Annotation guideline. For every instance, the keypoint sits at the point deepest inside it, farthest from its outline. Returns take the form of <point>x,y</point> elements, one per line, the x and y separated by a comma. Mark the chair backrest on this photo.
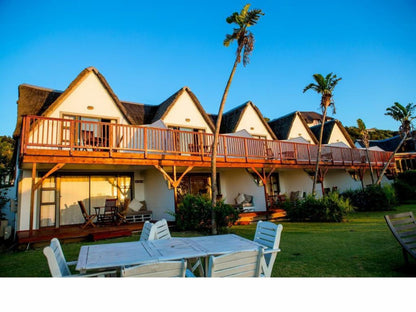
<point>403,227</point>
<point>56,259</point>
<point>110,202</point>
<point>268,234</point>
<point>159,269</point>
<point>148,231</point>
<point>83,210</point>
<point>162,230</point>
<point>236,264</point>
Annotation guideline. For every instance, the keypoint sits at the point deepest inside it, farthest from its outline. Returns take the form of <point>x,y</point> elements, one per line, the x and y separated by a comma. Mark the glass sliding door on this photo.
<point>48,202</point>
<point>73,189</point>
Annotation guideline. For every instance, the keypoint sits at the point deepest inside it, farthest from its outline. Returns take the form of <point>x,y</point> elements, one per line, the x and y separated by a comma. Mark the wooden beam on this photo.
<point>54,169</point>
<point>32,196</point>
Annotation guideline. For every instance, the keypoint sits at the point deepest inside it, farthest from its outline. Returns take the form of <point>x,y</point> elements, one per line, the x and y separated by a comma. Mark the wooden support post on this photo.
<point>32,197</point>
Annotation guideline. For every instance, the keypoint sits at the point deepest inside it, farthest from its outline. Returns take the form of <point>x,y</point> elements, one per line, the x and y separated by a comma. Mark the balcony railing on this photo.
<point>68,135</point>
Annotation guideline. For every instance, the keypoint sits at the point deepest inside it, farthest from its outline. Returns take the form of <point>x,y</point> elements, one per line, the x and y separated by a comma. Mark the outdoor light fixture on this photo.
<point>187,119</point>
<point>90,107</point>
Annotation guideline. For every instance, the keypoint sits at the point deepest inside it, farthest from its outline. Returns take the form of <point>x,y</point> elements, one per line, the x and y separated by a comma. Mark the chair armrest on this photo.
<point>268,251</point>
<point>72,262</point>
<point>98,274</point>
<point>188,273</point>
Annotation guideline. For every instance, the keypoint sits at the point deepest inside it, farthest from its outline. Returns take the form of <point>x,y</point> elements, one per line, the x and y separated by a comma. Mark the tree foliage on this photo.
<point>7,145</point>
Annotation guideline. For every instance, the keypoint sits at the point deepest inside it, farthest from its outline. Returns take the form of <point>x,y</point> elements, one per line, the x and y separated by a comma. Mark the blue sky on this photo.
<point>147,50</point>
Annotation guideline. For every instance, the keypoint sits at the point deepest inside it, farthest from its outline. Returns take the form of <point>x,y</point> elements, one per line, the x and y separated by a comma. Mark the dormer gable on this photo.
<point>292,126</point>
<point>334,132</point>
<point>246,117</point>
<point>183,109</point>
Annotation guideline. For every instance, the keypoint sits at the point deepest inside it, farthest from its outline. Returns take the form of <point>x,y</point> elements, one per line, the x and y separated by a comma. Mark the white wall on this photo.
<point>296,180</point>
<point>183,109</point>
<point>250,120</point>
<point>23,215</point>
<point>298,130</point>
<point>240,181</point>
<point>337,136</point>
<point>90,92</point>
<point>159,199</point>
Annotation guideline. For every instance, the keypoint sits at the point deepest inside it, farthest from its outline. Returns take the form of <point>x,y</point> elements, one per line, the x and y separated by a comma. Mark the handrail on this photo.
<point>92,136</point>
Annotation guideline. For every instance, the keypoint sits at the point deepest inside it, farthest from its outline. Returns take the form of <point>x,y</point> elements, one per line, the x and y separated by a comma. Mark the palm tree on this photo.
<point>404,115</point>
<point>324,86</point>
<point>364,137</point>
<point>245,41</point>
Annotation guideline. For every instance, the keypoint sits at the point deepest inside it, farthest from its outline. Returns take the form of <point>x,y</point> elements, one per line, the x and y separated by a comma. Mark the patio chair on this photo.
<point>159,269</point>
<point>110,209</point>
<point>236,264</point>
<point>148,231</point>
<point>161,229</point>
<point>268,234</point>
<point>403,227</point>
<point>89,218</point>
<point>59,267</point>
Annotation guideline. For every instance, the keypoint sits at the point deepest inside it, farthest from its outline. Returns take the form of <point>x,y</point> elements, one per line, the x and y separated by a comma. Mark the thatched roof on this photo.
<point>41,101</point>
<point>310,117</point>
<point>328,128</point>
<point>391,144</point>
<point>281,126</point>
<point>231,119</point>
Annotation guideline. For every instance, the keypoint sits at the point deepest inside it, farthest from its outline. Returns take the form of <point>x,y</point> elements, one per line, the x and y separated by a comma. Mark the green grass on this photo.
<point>360,247</point>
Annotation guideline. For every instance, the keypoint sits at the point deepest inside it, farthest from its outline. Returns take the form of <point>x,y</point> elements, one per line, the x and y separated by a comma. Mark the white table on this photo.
<point>117,255</point>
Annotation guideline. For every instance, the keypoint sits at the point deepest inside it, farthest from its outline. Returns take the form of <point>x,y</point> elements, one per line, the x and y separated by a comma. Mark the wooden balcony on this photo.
<point>54,140</point>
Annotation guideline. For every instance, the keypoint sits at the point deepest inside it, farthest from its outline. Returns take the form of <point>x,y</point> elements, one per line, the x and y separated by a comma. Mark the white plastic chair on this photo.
<point>148,231</point>
<point>158,269</point>
<point>268,234</point>
<point>236,264</point>
<point>161,230</point>
<point>58,266</point>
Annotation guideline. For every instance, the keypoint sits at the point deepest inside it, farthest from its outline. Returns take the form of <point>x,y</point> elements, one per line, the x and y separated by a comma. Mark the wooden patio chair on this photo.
<point>89,218</point>
<point>159,269</point>
<point>148,231</point>
<point>162,230</point>
<point>236,264</point>
<point>110,211</point>
<point>268,234</point>
<point>59,267</point>
<point>403,227</point>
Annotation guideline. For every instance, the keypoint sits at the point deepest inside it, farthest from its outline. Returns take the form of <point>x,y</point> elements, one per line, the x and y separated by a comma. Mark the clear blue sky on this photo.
<point>147,50</point>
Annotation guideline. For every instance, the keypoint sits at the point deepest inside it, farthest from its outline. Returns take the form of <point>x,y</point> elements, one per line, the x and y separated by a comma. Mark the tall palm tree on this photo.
<point>405,116</point>
<point>364,137</point>
<point>245,41</point>
<point>324,86</point>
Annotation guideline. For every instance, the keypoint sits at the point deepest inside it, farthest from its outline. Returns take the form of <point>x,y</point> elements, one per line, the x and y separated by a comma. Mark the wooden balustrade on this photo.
<point>45,134</point>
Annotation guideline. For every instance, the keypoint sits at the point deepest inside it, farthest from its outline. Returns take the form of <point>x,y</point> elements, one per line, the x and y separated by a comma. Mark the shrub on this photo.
<point>405,185</point>
<point>372,198</point>
<point>330,208</point>
<point>194,214</point>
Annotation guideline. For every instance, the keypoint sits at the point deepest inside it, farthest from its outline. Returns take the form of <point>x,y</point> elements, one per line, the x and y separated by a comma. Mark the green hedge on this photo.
<point>372,198</point>
<point>330,208</point>
<point>194,214</point>
<point>405,186</point>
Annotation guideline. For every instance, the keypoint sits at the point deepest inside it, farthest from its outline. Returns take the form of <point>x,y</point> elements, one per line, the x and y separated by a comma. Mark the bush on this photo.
<point>372,198</point>
<point>405,185</point>
<point>194,214</point>
<point>330,208</point>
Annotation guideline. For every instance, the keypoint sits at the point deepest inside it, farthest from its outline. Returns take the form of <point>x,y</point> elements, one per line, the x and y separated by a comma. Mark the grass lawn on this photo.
<point>360,247</point>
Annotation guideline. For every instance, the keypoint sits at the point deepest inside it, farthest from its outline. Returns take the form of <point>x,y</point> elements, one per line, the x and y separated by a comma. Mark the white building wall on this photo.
<point>23,202</point>
<point>240,181</point>
<point>90,92</point>
<point>251,122</point>
<point>343,180</point>
<point>298,130</point>
<point>183,110</point>
<point>159,199</point>
<point>337,136</point>
<point>296,180</point>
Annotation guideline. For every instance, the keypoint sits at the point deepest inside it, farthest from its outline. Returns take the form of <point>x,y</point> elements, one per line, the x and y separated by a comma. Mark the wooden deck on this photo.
<point>76,233</point>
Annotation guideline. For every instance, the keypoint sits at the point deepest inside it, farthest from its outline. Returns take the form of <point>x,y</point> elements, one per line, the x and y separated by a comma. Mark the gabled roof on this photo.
<point>311,116</point>
<point>391,144</point>
<point>281,126</point>
<point>231,119</point>
<point>328,128</point>
<point>164,108</point>
<point>40,101</point>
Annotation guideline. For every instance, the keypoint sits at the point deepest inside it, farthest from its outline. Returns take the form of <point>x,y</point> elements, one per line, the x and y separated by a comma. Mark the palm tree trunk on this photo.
<point>369,163</point>
<point>390,159</point>
<point>318,156</point>
<point>214,189</point>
